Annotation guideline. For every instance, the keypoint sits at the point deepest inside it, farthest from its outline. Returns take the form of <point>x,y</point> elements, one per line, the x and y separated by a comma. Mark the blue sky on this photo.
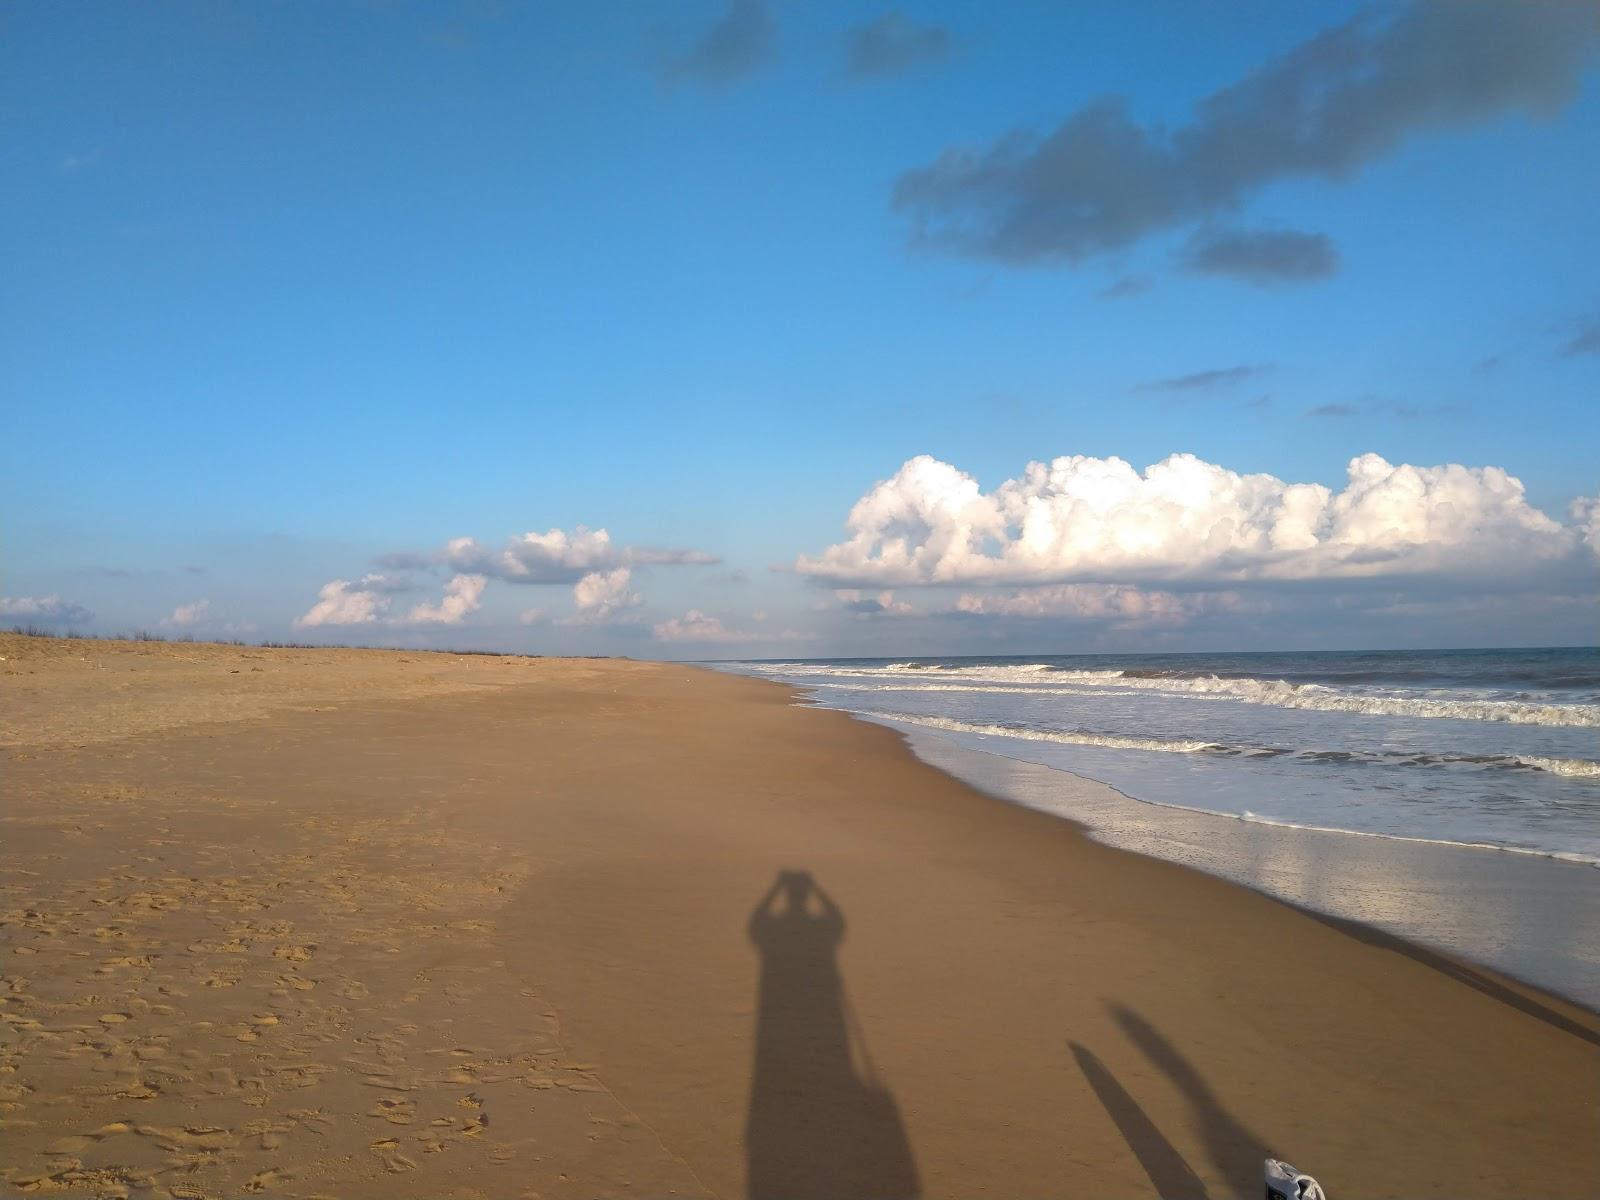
<point>293,287</point>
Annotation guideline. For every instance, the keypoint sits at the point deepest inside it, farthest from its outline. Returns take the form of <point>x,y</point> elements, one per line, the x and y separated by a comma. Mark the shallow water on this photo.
<point>1534,918</point>
<point>1449,797</point>
<point>1481,747</point>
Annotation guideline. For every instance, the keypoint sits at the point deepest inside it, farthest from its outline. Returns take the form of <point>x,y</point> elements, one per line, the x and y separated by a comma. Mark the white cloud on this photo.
<point>532,616</point>
<point>588,558</point>
<point>1586,519</point>
<point>44,610</point>
<point>883,604</point>
<point>199,615</point>
<point>556,556</point>
<point>342,603</point>
<point>188,614</point>
<point>600,595</point>
<point>1183,520</point>
<point>387,583</point>
<point>552,557</point>
<point>462,595</point>
<point>1119,604</point>
<point>696,626</point>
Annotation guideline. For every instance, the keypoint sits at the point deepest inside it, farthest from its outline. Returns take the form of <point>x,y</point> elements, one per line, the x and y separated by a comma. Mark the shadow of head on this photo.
<point>820,1123</point>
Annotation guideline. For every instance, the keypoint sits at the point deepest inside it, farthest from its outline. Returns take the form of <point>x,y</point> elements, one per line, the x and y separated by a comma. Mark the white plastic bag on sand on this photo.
<point>1285,1183</point>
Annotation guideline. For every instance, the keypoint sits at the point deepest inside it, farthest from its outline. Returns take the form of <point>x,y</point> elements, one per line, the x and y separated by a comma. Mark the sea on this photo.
<point>1378,754</point>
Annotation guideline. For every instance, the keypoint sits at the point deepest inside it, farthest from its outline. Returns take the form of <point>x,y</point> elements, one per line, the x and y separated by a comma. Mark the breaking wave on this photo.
<point>1277,693</point>
<point>1575,768</point>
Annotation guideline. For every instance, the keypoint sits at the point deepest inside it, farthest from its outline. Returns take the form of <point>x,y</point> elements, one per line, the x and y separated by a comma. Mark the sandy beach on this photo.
<point>389,923</point>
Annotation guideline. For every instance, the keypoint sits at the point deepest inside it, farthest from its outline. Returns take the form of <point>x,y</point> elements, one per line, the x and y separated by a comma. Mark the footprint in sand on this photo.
<point>262,1180</point>
<point>394,1109</point>
<point>389,1154</point>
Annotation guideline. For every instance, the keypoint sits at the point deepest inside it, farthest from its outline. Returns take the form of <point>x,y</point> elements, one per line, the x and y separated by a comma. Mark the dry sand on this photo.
<point>362,923</point>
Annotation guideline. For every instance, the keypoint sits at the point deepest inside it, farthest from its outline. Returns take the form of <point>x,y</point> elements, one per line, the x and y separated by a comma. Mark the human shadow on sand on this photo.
<point>1170,1174</point>
<point>820,1123</point>
<point>1233,1146</point>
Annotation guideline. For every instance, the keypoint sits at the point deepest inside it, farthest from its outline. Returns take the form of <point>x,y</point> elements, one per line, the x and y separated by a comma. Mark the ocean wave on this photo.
<point>1065,736</point>
<point>1315,697</point>
<point>1569,856</point>
<point>1574,768</point>
<point>1278,693</point>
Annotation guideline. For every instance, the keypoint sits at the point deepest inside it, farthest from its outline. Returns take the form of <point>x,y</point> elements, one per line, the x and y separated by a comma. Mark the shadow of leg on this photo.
<point>1236,1151</point>
<point>1169,1174</point>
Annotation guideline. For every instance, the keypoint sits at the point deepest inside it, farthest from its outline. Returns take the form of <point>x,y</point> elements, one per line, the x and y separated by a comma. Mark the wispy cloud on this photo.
<point>891,44</point>
<point>1585,341</point>
<point>554,556</point>
<point>1262,257</point>
<point>1125,287</point>
<point>1201,380</point>
<point>1101,181</point>
<point>43,610</point>
<point>741,42</point>
<point>864,604</point>
<point>698,626</point>
<point>1386,408</point>
<point>186,615</point>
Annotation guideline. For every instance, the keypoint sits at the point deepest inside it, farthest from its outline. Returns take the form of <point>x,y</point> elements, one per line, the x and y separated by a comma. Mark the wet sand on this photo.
<point>424,925</point>
<point>1534,918</point>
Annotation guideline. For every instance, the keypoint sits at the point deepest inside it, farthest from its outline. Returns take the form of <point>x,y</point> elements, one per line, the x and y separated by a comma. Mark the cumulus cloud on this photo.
<point>742,41</point>
<point>557,556</point>
<point>463,595</point>
<point>1585,512</point>
<point>1101,180</point>
<point>340,602</point>
<point>367,600</point>
<point>44,610</point>
<point>1264,257</point>
<point>188,614</point>
<point>580,557</point>
<point>599,596</point>
<point>1185,521</point>
<point>891,44</point>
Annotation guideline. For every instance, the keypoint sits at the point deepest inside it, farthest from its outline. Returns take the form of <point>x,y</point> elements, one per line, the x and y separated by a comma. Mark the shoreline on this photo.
<point>1531,891</point>
<point>466,928</point>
